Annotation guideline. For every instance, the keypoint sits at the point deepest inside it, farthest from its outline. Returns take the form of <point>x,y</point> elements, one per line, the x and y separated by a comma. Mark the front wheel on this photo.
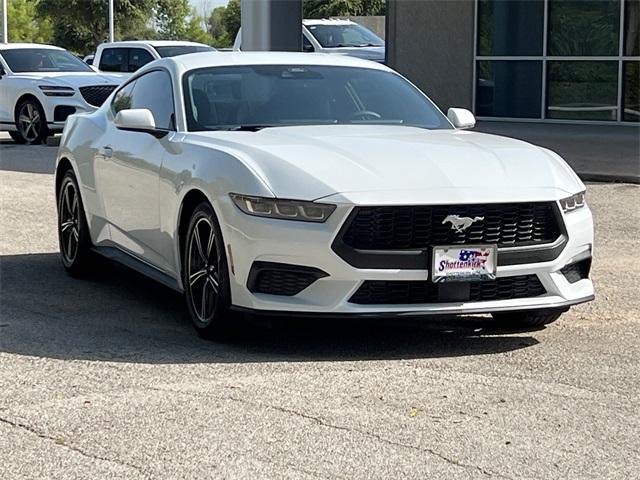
<point>205,275</point>
<point>534,318</point>
<point>73,230</point>
<point>31,123</point>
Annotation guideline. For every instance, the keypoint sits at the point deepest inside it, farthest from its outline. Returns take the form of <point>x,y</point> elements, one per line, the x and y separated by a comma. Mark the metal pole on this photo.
<point>111,36</point>
<point>5,28</point>
<point>271,25</point>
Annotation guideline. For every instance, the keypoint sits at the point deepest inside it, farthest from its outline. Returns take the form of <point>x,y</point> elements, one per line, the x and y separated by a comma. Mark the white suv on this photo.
<point>41,85</point>
<point>337,36</point>
<point>127,57</point>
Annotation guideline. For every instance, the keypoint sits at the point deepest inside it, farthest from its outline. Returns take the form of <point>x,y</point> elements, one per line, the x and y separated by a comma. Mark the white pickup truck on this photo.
<point>338,36</point>
<point>127,57</point>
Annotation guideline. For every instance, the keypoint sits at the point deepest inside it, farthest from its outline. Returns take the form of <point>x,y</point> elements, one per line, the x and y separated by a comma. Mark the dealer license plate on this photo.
<point>464,263</point>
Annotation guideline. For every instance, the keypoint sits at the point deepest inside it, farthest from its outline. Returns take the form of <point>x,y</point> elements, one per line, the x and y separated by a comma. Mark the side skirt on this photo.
<point>140,266</point>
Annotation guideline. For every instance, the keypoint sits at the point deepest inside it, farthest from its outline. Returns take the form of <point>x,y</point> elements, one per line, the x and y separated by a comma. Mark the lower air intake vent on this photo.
<point>281,278</point>
<point>577,271</point>
<point>417,292</point>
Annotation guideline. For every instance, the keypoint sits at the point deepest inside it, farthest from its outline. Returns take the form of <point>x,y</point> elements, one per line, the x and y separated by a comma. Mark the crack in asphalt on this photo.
<point>62,443</point>
<point>320,421</point>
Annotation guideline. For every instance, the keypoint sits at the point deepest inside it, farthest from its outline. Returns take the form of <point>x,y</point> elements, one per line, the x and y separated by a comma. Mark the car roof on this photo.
<point>327,21</point>
<point>15,46</point>
<point>153,43</point>
<point>222,59</point>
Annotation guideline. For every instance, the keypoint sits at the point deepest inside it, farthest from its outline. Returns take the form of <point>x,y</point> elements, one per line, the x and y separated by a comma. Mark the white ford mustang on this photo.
<point>318,184</point>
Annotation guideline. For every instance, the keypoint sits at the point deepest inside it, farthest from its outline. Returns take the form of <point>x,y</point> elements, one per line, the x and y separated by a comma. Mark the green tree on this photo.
<point>24,23</point>
<point>342,8</point>
<point>177,20</point>
<point>231,18</point>
<point>217,29</point>
<point>80,25</point>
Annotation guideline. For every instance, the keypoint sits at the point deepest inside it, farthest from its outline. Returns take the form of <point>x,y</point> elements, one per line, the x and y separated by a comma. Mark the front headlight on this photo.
<point>53,91</point>
<point>283,209</point>
<point>574,202</point>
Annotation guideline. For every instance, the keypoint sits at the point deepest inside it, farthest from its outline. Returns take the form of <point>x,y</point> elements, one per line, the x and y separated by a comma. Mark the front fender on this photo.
<point>214,173</point>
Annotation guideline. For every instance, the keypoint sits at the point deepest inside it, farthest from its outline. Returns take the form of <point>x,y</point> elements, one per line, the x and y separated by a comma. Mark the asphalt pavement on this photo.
<point>105,378</point>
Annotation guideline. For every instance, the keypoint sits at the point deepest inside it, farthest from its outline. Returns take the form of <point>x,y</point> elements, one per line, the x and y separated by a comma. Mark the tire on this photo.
<point>206,276</point>
<point>73,231</point>
<point>16,137</point>
<point>30,122</point>
<point>535,318</point>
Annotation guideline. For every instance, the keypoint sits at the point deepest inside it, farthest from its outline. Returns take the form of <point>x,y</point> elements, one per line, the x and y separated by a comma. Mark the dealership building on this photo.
<point>562,73</point>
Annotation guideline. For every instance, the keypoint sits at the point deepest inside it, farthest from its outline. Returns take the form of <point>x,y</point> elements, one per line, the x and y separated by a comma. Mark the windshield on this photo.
<point>175,50</point>
<point>43,60</point>
<point>350,35</point>
<point>284,95</point>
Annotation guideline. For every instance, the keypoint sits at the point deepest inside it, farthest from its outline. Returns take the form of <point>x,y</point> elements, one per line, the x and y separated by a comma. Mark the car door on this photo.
<point>129,168</point>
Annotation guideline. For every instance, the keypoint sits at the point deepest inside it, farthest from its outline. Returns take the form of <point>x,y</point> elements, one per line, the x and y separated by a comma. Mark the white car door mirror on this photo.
<point>138,120</point>
<point>461,118</point>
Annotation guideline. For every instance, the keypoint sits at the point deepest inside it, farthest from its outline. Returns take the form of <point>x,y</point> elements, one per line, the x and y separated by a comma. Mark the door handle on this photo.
<point>107,151</point>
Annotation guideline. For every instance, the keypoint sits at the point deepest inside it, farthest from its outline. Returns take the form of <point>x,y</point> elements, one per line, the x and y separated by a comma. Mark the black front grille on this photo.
<point>424,292</point>
<point>96,95</point>
<point>418,227</point>
<point>281,279</point>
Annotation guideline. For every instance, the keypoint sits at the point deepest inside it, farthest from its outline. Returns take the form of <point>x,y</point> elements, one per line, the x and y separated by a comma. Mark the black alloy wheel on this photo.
<point>73,231</point>
<point>31,123</point>
<point>205,274</point>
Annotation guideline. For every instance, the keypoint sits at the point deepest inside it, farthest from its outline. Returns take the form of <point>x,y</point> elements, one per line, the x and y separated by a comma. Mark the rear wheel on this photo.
<point>73,230</point>
<point>205,275</point>
<point>31,122</point>
<point>535,318</point>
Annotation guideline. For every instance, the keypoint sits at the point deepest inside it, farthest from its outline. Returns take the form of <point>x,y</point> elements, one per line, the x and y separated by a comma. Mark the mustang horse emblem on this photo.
<point>460,224</point>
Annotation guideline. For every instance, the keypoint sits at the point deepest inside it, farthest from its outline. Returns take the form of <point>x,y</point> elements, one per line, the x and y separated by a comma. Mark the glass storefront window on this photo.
<point>580,62</point>
<point>582,90</point>
<point>509,88</point>
<point>631,92</point>
<point>510,28</point>
<point>631,27</point>
<point>579,27</point>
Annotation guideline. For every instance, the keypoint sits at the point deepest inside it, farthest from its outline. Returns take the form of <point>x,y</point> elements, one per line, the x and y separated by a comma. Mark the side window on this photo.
<point>153,91</point>
<point>122,99</point>
<point>137,58</point>
<point>113,59</point>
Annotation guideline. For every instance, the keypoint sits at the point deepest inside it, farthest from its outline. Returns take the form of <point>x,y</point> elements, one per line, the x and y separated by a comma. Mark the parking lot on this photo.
<point>105,378</point>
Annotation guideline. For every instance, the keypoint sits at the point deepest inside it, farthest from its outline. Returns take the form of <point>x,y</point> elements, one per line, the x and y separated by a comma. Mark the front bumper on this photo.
<point>250,239</point>
<point>54,109</point>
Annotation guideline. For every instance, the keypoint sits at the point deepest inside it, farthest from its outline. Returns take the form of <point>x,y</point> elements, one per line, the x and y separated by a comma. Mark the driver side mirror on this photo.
<point>461,118</point>
<point>2,72</point>
<point>308,48</point>
<point>138,120</point>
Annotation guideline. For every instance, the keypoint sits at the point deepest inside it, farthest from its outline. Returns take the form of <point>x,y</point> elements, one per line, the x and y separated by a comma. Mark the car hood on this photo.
<point>74,79</point>
<point>395,164</point>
